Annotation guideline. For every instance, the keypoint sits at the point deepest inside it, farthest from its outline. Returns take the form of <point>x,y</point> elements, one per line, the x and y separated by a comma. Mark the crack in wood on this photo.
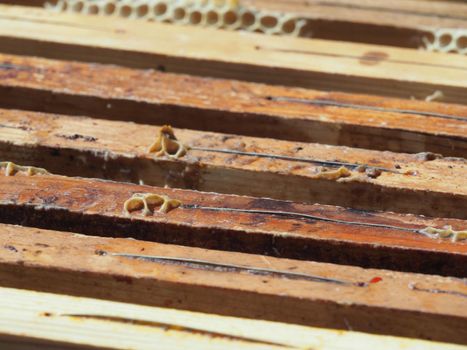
<point>290,158</point>
<point>413,286</point>
<point>173,327</point>
<point>218,267</point>
<point>323,102</point>
<point>301,215</point>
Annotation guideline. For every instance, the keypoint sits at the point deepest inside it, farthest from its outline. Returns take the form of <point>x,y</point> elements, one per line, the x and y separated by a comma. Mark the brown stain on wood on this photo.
<point>372,58</point>
<point>405,186</point>
<point>233,107</point>
<point>96,207</point>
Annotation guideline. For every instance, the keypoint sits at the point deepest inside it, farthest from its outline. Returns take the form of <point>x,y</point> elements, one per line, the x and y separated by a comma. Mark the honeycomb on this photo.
<point>446,40</point>
<point>223,14</point>
<point>147,201</point>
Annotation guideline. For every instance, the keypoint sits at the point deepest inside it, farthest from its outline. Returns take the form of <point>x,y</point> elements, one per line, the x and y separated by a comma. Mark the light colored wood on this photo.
<point>45,319</point>
<point>420,14</point>
<point>119,151</point>
<point>252,57</point>
<point>235,223</point>
<point>396,22</point>
<point>401,23</point>
<point>369,300</point>
<point>232,107</point>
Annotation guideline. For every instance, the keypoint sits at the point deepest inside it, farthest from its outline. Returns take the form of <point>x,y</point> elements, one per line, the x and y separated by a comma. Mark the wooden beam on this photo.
<point>235,223</point>
<point>421,14</point>
<point>401,23</point>
<point>307,293</point>
<point>418,184</point>
<point>45,321</point>
<point>234,107</point>
<point>253,57</point>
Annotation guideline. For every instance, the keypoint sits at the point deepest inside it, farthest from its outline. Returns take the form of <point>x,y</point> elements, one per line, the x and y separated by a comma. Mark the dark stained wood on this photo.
<point>387,302</point>
<point>243,224</point>
<point>152,97</point>
<point>321,64</point>
<point>119,151</point>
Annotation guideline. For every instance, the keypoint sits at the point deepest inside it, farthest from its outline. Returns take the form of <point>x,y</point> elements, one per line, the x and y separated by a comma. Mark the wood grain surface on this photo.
<point>321,64</point>
<point>152,97</point>
<point>242,285</point>
<point>418,184</point>
<point>235,223</point>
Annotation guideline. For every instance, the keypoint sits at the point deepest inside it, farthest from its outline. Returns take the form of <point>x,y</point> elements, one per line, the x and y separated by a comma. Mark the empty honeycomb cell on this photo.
<point>109,8</point>
<point>226,14</point>
<point>247,19</point>
<point>160,10</point>
<point>142,10</point>
<point>445,39</point>
<point>288,27</point>
<point>195,17</point>
<point>179,14</point>
<point>230,17</point>
<point>268,22</point>
<point>77,6</point>
<point>92,9</point>
<point>461,42</point>
<point>125,11</point>
<point>212,18</point>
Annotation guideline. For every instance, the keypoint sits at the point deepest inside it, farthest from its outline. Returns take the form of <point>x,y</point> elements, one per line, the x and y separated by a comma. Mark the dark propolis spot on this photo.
<point>372,58</point>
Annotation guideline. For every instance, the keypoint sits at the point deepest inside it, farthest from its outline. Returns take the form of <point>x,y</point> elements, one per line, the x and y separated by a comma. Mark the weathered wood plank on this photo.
<point>308,293</point>
<point>33,320</point>
<point>399,23</point>
<point>152,97</point>
<point>253,57</point>
<point>223,163</point>
<point>234,223</point>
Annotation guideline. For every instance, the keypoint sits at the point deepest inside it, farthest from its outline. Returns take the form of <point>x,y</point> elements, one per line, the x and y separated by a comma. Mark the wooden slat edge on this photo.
<point>251,57</point>
<point>388,302</point>
<point>418,184</point>
<point>45,320</point>
<point>235,107</point>
<point>235,223</point>
<point>402,23</point>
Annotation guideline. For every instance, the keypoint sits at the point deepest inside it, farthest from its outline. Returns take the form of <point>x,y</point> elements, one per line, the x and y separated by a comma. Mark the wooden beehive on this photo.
<point>169,186</point>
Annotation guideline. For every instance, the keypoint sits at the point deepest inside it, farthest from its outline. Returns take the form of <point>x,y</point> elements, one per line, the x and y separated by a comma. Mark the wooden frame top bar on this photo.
<point>320,64</point>
<point>51,321</point>
<point>233,107</point>
<point>312,173</point>
<point>234,284</point>
<point>402,23</point>
<point>395,13</point>
<point>234,223</point>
